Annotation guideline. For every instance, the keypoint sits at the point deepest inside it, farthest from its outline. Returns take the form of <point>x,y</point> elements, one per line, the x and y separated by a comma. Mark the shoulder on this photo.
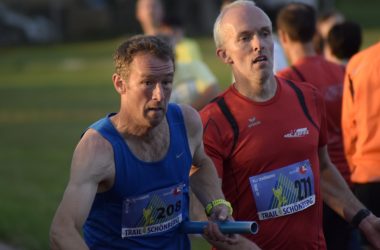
<point>189,44</point>
<point>212,109</point>
<point>369,52</point>
<point>308,90</point>
<point>366,57</point>
<point>212,113</point>
<point>93,141</point>
<point>191,119</point>
<point>187,50</point>
<point>226,102</point>
<point>335,69</point>
<point>285,73</point>
<point>93,154</point>
<point>299,84</point>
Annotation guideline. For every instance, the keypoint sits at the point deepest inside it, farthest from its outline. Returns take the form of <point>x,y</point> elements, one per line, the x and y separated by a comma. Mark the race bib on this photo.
<point>283,191</point>
<point>152,213</point>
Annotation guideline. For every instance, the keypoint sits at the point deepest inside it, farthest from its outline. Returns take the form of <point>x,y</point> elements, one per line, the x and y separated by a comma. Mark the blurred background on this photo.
<point>55,80</point>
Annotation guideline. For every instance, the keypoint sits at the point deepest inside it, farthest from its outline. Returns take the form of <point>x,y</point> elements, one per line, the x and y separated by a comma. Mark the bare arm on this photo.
<point>335,191</point>
<point>89,168</point>
<point>339,197</point>
<point>204,180</point>
<point>206,185</point>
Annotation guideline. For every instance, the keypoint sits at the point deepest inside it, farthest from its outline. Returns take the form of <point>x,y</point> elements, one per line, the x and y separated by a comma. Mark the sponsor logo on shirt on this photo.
<point>299,132</point>
<point>253,122</point>
<point>179,155</point>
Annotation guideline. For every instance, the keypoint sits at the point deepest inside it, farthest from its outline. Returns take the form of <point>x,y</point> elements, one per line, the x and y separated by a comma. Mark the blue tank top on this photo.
<point>148,200</point>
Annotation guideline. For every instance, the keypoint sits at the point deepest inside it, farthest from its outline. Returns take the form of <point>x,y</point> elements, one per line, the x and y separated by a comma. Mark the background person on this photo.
<point>324,23</point>
<point>186,49</point>
<point>149,13</point>
<point>193,82</point>
<point>151,16</point>
<point>296,27</point>
<point>343,41</point>
<point>129,181</point>
<point>361,126</point>
<point>280,133</point>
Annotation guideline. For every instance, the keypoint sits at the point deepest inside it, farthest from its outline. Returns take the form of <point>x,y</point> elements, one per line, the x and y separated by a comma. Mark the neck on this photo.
<point>150,29</point>
<point>330,57</point>
<point>129,129</point>
<point>147,144</point>
<point>333,59</point>
<point>257,90</point>
<point>297,51</point>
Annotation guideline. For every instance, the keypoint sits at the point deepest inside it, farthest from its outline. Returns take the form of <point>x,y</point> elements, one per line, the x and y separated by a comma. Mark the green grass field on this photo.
<point>48,95</point>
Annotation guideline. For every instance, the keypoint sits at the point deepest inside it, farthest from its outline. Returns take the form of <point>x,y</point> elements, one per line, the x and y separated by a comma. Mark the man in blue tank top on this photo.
<point>129,181</point>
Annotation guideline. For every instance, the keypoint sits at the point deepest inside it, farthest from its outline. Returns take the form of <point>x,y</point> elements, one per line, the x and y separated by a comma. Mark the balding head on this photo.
<point>237,9</point>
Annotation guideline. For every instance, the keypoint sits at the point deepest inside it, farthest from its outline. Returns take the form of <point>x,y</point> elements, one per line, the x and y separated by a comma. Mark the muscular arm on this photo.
<point>204,180</point>
<point>206,184</point>
<point>90,167</point>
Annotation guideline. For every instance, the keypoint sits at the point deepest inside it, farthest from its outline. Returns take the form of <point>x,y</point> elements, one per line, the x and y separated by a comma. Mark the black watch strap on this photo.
<point>359,216</point>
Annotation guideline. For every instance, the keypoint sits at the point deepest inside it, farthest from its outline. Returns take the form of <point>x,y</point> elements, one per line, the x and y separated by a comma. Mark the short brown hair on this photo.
<point>125,53</point>
<point>298,20</point>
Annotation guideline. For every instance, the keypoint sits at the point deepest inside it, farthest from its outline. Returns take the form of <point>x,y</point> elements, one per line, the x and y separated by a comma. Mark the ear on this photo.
<point>118,83</point>
<point>221,53</point>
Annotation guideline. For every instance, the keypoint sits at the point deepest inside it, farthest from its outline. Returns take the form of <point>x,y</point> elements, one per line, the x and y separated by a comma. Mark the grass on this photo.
<point>48,96</point>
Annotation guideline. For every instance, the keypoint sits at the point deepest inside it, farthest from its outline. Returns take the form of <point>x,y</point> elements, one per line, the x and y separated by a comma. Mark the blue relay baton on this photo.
<point>227,227</point>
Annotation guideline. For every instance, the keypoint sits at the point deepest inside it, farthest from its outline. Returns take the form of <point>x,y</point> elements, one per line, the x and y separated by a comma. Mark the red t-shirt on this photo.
<point>328,77</point>
<point>272,135</point>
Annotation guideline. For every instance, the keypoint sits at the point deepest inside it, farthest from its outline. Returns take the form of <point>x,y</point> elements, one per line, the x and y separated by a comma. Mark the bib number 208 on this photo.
<point>168,211</point>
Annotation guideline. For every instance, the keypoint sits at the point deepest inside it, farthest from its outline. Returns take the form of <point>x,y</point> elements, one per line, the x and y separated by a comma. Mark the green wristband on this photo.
<point>217,202</point>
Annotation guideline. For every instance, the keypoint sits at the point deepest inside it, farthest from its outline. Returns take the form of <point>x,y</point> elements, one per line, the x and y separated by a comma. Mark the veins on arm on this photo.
<point>92,164</point>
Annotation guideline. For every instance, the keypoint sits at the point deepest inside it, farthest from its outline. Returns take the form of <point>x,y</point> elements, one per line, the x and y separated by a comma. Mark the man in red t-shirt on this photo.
<point>296,28</point>
<point>279,167</point>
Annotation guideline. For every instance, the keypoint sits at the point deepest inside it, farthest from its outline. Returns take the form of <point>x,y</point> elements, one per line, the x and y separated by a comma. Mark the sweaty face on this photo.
<point>148,89</point>
<point>247,42</point>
